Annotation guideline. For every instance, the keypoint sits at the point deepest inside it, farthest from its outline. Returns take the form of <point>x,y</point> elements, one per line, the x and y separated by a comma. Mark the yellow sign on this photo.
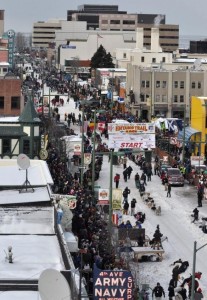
<point>116,199</point>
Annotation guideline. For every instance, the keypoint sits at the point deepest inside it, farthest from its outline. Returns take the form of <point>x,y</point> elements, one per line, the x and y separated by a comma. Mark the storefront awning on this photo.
<point>189,131</point>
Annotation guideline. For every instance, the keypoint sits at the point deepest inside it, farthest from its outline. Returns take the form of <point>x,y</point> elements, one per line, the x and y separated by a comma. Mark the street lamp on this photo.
<point>195,250</point>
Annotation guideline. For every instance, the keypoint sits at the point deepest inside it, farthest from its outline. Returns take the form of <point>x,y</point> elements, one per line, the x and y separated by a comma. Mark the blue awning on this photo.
<point>189,131</point>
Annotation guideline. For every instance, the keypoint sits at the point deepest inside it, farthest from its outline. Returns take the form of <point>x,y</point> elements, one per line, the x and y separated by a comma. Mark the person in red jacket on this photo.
<point>116,180</point>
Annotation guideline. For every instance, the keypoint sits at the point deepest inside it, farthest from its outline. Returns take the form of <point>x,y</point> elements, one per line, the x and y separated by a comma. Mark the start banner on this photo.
<point>140,141</point>
<point>131,128</point>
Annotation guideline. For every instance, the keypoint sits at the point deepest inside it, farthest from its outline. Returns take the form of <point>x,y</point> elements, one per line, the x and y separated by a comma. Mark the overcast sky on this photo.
<point>189,14</point>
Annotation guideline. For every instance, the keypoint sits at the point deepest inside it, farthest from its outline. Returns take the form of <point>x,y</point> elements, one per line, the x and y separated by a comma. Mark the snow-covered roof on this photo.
<point>30,256</point>
<point>9,119</point>
<point>15,197</point>
<point>12,175</point>
<point>27,220</point>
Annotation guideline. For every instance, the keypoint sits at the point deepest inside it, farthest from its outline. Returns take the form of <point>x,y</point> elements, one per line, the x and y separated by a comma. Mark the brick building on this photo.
<point>11,101</point>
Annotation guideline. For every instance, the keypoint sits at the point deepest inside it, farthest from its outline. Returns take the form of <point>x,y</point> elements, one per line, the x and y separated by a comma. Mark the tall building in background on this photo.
<point>1,22</point>
<point>109,18</point>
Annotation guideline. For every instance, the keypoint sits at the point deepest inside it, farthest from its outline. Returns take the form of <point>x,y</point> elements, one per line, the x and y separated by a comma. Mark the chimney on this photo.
<point>139,38</point>
<point>155,44</point>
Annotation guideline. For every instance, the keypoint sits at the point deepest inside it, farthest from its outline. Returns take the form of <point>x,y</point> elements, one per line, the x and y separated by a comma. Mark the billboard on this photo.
<point>77,148</point>
<point>113,285</point>
<point>131,141</point>
<point>131,128</point>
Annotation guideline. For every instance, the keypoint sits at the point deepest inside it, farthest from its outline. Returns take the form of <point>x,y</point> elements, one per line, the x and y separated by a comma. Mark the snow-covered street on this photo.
<point>175,222</point>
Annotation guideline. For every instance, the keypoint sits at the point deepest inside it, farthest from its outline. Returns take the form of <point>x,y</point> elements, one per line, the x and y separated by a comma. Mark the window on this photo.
<point>142,59</point>
<point>5,70</point>
<point>104,21</point>
<point>15,102</point>
<point>193,85</point>
<point>164,98</point>
<point>163,59</point>
<point>124,55</point>
<point>128,22</point>
<point>182,84</point>
<point>26,146</point>
<point>6,146</point>
<point>142,97</point>
<point>181,98</point>
<point>164,84</point>
<point>157,84</point>
<point>199,85</point>
<point>157,98</point>
<point>115,22</point>
<point>175,98</point>
<point>147,84</point>
<point>1,102</point>
<point>175,84</point>
<point>154,60</point>
<point>143,84</point>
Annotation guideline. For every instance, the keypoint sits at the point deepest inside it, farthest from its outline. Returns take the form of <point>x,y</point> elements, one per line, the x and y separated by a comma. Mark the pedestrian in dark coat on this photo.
<point>125,174</point>
<point>158,291</point>
<point>126,207</point>
<point>172,286</point>
<point>195,214</point>
<point>129,171</point>
<point>200,197</point>
<point>143,177</point>
<point>168,190</point>
<point>133,204</point>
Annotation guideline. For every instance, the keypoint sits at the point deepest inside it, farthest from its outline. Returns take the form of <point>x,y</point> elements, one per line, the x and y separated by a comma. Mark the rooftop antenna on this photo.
<point>23,162</point>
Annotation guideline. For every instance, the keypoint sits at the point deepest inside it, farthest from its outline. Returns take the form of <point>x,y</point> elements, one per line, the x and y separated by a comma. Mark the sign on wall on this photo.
<point>10,35</point>
<point>116,199</point>
<point>113,285</point>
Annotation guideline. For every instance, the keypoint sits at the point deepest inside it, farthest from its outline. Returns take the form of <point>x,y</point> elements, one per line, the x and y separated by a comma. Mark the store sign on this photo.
<point>197,160</point>
<point>77,148</point>
<point>113,285</point>
<point>129,141</point>
<point>103,196</point>
<point>10,35</point>
<point>131,128</point>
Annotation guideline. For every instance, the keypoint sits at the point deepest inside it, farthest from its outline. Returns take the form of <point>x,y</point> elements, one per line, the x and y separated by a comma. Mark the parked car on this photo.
<point>175,177</point>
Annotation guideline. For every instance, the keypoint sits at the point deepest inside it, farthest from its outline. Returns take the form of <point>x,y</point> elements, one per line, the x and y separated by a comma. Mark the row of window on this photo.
<point>162,37</point>
<point>177,84</point>
<point>7,146</point>
<point>124,22</point>
<point>163,98</point>
<point>15,102</point>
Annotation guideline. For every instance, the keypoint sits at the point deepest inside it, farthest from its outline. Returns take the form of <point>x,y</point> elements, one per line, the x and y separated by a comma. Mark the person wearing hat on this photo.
<point>158,291</point>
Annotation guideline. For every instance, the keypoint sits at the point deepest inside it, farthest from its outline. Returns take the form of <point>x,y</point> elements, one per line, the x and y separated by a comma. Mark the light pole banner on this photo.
<point>116,199</point>
<point>77,148</point>
<point>103,196</point>
<point>131,141</point>
<point>87,158</point>
<point>131,128</point>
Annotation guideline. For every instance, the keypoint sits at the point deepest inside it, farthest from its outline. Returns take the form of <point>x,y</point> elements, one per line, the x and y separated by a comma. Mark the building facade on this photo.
<point>164,92</point>
<point>11,101</point>
<point>1,22</point>
<point>44,33</point>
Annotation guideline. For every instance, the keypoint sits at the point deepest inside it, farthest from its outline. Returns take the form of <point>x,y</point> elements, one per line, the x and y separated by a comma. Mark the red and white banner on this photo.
<point>101,126</point>
<point>103,196</point>
<point>117,217</point>
<point>141,141</point>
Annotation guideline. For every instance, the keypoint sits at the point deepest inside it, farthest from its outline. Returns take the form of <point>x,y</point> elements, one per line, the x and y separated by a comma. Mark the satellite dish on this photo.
<point>23,161</point>
<point>53,285</point>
